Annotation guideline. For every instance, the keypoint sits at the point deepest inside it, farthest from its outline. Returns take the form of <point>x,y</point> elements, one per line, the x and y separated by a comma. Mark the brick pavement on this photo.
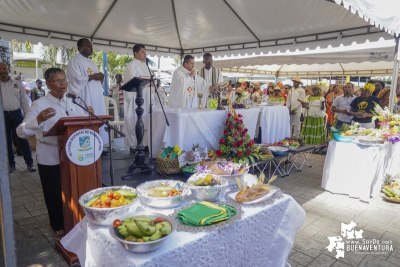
<point>325,211</point>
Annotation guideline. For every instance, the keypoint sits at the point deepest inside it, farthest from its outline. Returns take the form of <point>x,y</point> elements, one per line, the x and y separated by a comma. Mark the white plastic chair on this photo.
<point>116,121</point>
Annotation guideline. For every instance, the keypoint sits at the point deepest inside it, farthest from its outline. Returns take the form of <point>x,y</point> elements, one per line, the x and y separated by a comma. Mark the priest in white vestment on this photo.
<point>84,80</point>
<point>211,74</point>
<point>186,85</point>
<point>136,68</point>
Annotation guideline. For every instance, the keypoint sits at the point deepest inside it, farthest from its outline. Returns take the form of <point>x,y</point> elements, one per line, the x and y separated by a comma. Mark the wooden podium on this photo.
<point>75,180</point>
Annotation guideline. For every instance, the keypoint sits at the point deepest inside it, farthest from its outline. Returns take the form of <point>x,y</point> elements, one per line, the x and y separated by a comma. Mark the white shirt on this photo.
<point>14,96</point>
<point>342,102</point>
<point>208,76</point>
<point>291,101</point>
<point>47,147</point>
<point>91,92</point>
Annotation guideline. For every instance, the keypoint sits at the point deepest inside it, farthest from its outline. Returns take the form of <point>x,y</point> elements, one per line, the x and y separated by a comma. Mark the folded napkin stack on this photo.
<point>205,213</point>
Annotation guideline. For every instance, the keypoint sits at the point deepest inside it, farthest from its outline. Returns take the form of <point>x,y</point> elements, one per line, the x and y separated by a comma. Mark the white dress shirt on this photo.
<point>47,147</point>
<point>14,96</point>
<point>342,102</point>
<point>292,99</point>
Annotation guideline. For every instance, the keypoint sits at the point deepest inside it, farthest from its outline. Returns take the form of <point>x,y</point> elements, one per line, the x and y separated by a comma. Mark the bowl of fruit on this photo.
<point>162,193</point>
<point>278,150</point>
<point>291,145</point>
<point>142,231</point>
<point>206,186</point>
<point>102,205</point>
<point>347,136</point>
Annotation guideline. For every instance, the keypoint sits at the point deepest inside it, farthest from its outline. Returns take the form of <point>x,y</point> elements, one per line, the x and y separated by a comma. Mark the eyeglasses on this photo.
<point>60,81</point>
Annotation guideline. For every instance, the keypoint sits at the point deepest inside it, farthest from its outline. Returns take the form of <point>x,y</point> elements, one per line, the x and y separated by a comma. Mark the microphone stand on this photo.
<point>108,129</point>
<point>151,165</point>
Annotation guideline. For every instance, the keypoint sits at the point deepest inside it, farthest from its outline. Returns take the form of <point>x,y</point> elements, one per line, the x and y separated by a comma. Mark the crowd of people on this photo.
<point>311,108</point>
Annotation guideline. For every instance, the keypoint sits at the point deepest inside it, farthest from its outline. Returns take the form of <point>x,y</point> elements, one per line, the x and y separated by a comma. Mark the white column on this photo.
<point>395,75</point>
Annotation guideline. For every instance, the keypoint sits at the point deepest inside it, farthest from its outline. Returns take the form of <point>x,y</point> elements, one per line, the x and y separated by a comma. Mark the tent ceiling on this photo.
<point>224,27</point>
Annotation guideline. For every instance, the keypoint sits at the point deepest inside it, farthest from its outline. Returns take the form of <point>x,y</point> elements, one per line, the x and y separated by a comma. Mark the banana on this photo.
<point>166,228</point>
<point>133,229</point>
<point>145,227</point>
<point>131,238</point>
<point>146,238</point>
<point>123,231</point>
<point>138,218</point>
<point>157,235</point>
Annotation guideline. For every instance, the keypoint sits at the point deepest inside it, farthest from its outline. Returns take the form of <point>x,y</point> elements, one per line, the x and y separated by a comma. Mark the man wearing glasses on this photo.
<point>341,106</point>
<point>84,80</point>
<point>14,98</point>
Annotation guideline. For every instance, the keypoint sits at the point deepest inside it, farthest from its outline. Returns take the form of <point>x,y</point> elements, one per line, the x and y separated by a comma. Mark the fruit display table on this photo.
<point>193,126</point>
<point>358,170</point>
<point>263,237</point>
<point>275,123</point>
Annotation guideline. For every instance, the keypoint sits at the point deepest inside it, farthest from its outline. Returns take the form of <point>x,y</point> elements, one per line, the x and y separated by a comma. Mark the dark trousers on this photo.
<point>50,177</point>
<point>12,120</point>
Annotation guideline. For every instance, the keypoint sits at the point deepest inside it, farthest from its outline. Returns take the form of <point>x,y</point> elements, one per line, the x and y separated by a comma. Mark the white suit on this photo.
<point>135,68</point>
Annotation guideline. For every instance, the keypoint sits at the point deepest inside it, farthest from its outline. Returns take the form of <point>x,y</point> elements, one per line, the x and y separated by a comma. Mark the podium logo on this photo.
<point>84,143</point>
<point>80,157</point>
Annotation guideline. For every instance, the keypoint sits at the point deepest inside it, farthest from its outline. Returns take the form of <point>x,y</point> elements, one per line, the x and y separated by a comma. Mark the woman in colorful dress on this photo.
<point>277,99</point>
<point>313,125</point>
<point>334,92</point>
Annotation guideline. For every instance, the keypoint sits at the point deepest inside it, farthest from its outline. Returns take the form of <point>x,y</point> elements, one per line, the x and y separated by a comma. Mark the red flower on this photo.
<point>236,119</point>
<point>225,132</point>
<point>249,144</point>
<point>221,141</point>
<point>218,152</point>
<point>241,122</point>
<point>247,152</point>
<point>239,154</point>
<point>235,134</point>
<point>234,144</point>
<point>246,130</point>
<point>243,135</point>
<point>231,126</point>
<point>239,128</point>
<point>252,141</point>
<point>240,142</point>
<point>227,123</point>
<point>240,116</point>
<point>229,115</point>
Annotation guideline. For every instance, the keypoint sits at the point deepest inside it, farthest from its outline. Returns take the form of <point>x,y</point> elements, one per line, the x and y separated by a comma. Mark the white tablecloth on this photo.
<point>275,123</point>
<point>192,126</point>
<point>263,237</point>
<point>357,170</point>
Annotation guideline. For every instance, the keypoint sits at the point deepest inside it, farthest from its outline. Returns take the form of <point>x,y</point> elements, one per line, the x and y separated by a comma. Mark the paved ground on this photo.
<point>325,212</point>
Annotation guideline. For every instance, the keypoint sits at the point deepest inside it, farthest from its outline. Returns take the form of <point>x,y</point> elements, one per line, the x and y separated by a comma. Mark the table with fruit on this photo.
<point>193,223</point>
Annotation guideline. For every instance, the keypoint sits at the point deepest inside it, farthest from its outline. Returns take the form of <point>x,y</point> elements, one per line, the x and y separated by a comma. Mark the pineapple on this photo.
<point>387,181</point>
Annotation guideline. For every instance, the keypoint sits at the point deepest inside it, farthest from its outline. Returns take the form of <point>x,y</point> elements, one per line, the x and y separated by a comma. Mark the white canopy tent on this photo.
<point>376,61</point>
<point>224,27</point>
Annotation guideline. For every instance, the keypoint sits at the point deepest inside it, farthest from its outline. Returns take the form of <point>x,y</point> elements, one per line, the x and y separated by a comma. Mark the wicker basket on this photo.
<point>167,165</point>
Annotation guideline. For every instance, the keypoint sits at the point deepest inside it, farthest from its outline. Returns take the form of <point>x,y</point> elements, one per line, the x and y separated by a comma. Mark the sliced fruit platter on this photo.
<point>391,189</point>
<point>207,186</point>
<point>142,232</point>
<point>102,205</point>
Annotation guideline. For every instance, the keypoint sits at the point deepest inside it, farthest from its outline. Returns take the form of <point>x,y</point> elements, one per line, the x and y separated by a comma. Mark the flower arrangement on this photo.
<point>213,103</point>
<point>235,144</point>
<point>385,116</point>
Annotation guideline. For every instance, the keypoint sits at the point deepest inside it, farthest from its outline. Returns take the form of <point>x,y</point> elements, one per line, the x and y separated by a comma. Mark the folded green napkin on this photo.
<point>205,213</point>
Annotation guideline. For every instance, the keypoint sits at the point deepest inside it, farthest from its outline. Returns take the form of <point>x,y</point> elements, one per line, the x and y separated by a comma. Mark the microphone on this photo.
<point>147,61</point>
<point>69,95</point>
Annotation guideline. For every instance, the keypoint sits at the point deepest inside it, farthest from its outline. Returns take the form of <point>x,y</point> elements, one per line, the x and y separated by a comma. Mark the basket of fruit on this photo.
<point>143,231</point>
<point>206,186</point>
<point>167,160</point>
<point>347,136</point>
<point>291,145</point>
<point>162,193</point>
<point>102,205</point>
<point>391,189</point>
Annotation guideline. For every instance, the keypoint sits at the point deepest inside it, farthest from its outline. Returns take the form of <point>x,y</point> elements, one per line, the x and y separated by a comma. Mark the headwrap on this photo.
<point>369,87</point>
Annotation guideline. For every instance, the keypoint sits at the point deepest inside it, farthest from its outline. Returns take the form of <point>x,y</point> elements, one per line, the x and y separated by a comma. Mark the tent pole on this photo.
<point>395,75</point>
<point>37,69</point>
<point>105,82</point>
<point>359,80</point>
<point>330,80</point>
